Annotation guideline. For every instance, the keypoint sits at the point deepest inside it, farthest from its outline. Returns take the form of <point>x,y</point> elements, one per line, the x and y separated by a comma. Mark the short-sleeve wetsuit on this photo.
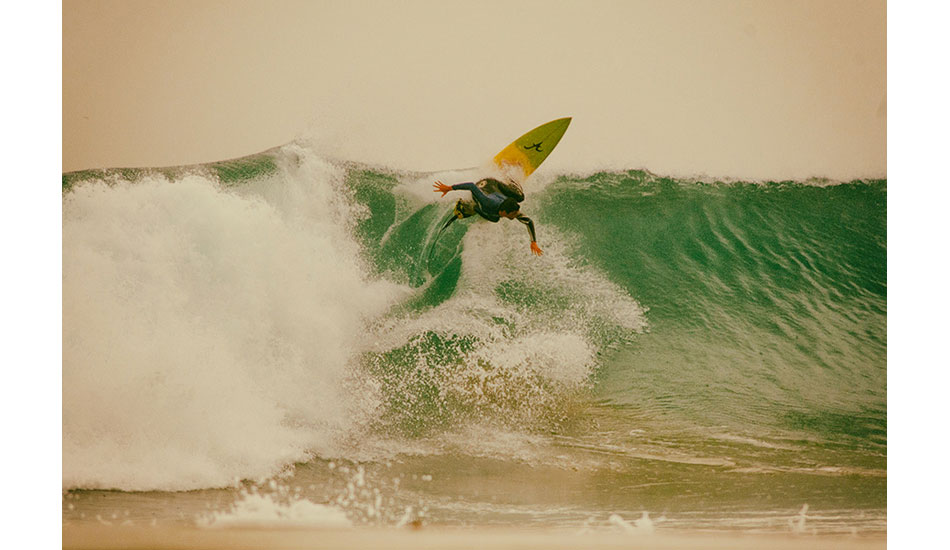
<point>487,196</point>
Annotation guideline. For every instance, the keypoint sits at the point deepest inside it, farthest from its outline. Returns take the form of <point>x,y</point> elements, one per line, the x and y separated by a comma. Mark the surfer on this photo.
<point>492,200</point>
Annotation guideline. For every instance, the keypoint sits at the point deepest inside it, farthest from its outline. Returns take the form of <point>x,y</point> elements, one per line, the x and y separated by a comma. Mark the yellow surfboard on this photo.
<point>520,159</point>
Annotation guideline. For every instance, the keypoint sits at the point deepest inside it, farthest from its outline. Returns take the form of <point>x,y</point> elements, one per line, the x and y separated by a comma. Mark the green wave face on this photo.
<point>767,301</point>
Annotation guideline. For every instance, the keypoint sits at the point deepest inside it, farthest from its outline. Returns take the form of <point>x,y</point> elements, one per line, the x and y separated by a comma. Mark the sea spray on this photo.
<point>354,496</point>
<point>514,345</point>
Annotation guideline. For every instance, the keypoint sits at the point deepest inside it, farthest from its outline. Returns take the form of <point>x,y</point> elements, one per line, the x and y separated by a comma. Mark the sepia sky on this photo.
<point>733,88</point>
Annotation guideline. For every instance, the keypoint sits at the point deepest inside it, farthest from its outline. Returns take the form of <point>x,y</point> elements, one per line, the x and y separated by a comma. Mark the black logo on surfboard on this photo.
<point>536,147</point>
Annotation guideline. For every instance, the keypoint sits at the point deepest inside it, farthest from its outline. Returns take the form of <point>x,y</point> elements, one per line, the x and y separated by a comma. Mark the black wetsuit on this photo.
<point>487,196</point>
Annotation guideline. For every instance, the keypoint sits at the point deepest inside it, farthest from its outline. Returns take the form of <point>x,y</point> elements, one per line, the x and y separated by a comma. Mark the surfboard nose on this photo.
<point>560,124</point>
<point>529,151</point>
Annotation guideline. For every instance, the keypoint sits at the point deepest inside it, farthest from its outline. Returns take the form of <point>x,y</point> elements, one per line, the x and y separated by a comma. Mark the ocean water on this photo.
<point>281,340</point>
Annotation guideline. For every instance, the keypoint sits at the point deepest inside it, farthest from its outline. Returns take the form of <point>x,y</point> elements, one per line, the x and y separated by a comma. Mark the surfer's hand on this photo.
<point>536,249</point>
<point>439,186</point>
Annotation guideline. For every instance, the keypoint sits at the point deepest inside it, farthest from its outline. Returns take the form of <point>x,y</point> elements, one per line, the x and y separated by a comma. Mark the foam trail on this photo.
<point>206,333</point>
<point>262,510</point>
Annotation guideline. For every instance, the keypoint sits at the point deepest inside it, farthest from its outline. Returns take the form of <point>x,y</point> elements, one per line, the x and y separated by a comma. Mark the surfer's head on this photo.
<point>509,209</point>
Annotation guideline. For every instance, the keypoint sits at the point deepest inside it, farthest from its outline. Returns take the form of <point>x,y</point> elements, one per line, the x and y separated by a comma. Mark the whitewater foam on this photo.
<point>265,510</point>
<point>207,332</point>
<point>642,526</point>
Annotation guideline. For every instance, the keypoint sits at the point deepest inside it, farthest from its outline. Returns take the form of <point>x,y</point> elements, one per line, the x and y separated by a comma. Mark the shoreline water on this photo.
<point>130,537</point>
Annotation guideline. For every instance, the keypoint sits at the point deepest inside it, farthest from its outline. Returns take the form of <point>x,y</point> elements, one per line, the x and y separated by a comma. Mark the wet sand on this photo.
<point>115,537</point>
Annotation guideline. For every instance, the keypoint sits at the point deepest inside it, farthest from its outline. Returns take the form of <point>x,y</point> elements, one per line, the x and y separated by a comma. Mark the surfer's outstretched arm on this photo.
<point>477,193</point>
<point>534,240</point>
<point>440,187</point>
